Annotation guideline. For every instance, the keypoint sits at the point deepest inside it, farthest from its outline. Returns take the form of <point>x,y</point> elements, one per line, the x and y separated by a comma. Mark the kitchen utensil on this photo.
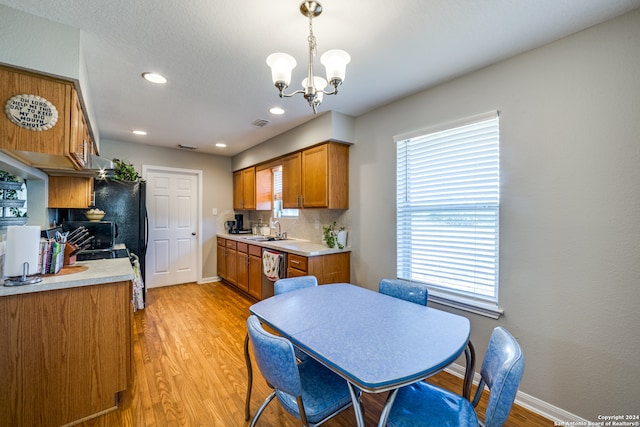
<point>74,233</point>
<point>82,244</point>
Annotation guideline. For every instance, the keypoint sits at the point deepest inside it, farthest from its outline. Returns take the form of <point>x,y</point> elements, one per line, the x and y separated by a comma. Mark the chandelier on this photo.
<point>335,62</point>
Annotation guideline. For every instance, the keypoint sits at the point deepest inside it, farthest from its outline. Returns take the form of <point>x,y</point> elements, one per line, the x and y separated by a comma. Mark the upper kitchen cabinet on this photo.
<point>317,177</point>
<point>70,192</point>
<point>244,189</point>
<point>44,125</point>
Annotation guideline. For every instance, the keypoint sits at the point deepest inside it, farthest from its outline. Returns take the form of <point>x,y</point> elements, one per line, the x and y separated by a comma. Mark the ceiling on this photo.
<point>213,53</point>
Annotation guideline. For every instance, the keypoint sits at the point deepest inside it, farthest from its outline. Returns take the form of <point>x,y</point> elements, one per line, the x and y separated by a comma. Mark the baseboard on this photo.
<point>559,416</point>
<point>208,280</point>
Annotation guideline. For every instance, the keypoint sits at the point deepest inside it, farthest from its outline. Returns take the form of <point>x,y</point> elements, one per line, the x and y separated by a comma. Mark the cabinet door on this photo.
<point>237,190</point>
<point>242,265</point>
<point>249,188</point>
<point>315,171</point>
<point>79,142</point>
<point>255,276</point>
<point>70,192</point>
<point>244,189</point>
<point>291,181</point>
<point>221,259</point>
<point>232,266</point>
<point>264,190</point>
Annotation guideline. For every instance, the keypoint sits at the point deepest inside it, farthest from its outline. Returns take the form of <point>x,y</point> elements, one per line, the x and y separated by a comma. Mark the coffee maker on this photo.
<point>237,226</point>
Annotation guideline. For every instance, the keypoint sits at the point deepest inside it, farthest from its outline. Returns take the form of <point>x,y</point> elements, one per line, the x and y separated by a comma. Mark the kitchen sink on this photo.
<point>265,238</point>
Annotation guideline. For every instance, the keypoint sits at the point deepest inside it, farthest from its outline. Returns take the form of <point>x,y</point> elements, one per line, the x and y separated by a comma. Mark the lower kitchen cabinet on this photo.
<point>66,353</point>
<point>221,250</point>
<point>331,268</point>
<point>255,274</point>
<point>231,262</point>
<point>240,265</point>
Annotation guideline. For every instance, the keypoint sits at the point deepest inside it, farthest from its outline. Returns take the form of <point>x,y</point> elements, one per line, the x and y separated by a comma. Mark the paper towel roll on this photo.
<point>23,245</point>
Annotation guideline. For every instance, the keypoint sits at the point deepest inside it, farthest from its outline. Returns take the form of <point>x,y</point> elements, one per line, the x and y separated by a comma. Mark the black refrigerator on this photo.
<point>124,205</point>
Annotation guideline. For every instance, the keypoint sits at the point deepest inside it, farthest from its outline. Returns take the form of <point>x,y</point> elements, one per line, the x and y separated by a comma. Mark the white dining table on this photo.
<point>376,342</point>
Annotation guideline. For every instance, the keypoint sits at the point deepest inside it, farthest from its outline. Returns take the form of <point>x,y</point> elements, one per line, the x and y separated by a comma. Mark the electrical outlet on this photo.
<point>316,224</point>
<point>214,211</point>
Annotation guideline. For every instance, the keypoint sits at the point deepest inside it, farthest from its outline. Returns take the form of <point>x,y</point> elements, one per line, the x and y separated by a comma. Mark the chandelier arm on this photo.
<point>288,95</point>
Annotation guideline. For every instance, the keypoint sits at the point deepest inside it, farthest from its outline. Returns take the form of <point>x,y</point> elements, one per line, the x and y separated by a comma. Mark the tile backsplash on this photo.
<point>308,225</point>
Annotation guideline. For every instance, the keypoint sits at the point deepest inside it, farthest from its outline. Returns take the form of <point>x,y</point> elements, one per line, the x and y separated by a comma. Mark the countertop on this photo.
<point>291,245</point>
<point>82,273</point>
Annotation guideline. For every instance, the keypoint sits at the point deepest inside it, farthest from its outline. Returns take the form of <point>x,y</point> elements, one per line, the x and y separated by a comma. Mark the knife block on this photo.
<point>69,255</point>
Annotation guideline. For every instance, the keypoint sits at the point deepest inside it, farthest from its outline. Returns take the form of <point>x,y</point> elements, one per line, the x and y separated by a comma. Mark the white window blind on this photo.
<point>448,199</point>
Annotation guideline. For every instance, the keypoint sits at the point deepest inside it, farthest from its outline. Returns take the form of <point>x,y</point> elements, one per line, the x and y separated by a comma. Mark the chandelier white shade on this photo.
<point>335,62</point>
<point>282,64</point>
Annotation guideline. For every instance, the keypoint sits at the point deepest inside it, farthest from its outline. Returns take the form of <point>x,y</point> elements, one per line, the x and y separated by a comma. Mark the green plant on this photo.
<point>330,235</point>
<point>124,171</point>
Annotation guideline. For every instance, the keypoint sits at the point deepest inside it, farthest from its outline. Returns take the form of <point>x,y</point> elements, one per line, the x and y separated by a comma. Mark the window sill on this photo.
<point>465,304</point>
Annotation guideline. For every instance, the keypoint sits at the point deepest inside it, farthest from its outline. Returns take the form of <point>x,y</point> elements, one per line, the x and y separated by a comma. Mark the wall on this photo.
<point>569,236</point>
<point>217,185</point>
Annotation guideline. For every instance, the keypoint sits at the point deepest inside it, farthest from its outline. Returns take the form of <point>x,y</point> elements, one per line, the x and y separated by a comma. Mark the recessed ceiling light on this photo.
<point>276,111</point>
<point>139,132</point>
<point>221,145</point>
<point>154,78</point>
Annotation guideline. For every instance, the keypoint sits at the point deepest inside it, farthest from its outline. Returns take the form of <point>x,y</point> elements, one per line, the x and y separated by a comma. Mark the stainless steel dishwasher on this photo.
<point>267,283</point>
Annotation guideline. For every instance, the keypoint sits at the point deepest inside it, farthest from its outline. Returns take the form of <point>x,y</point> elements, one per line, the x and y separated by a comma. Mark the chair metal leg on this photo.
<point>247,358</point>
<point>470,356</point>
<point>261,408</point>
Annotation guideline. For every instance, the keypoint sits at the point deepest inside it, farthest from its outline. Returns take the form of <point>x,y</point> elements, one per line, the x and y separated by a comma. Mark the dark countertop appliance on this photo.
<point>237,226</point>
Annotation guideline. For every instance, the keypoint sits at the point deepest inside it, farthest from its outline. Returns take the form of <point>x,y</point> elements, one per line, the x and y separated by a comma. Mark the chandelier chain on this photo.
<point>311,39</point>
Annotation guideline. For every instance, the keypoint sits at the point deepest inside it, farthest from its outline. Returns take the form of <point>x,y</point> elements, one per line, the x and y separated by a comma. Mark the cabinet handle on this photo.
<point>295,262</point>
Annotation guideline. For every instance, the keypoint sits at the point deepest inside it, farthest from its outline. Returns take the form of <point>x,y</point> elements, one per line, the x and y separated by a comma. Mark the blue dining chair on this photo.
<point>404,289</point>
<point>423,404</point>
<point>280,286</point>
<point>308,390</point>
<point>289,284</point>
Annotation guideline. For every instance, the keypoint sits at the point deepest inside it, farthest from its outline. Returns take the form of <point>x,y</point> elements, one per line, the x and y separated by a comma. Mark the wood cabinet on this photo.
<point>330,268</point>
<point>244,189</point>
<point>221,250</point>
<point>66,354</point>
<point>317,177</point>
<point>242,265</point>
<point>80,144</point>
<point>67,144</point>
<point>264,189</point>
<point>70,192</point>
<point>231,262</point>
<point>292,181</point>
<point>255,273</point>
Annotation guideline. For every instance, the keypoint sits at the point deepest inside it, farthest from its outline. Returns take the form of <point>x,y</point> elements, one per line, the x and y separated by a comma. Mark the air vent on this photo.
<point>187,147</point>
<point>260,122</point>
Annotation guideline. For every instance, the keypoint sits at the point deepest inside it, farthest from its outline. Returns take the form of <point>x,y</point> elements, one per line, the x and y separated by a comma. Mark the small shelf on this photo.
<point>5,204</point>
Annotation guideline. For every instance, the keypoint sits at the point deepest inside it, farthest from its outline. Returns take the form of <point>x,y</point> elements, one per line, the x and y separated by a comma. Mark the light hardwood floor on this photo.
<point>189,369</point>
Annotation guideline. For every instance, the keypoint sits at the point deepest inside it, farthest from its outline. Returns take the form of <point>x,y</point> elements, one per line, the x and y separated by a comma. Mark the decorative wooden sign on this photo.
<point>31,112</point>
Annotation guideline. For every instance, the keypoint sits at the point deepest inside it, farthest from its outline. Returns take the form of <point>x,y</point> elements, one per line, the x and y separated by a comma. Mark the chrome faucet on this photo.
<point>278,233</point>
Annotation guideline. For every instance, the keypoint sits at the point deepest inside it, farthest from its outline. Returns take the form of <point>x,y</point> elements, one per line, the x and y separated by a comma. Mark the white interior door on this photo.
<point>172,205</point>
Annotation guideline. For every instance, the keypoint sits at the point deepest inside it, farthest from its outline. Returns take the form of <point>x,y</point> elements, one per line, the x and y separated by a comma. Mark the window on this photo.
<point>448,200</point>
